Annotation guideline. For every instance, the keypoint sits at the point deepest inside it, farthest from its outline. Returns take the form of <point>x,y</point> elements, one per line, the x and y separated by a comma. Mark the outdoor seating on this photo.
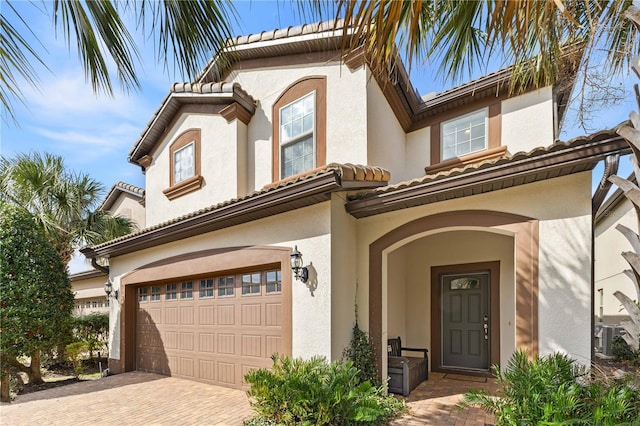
<point>405,372</point>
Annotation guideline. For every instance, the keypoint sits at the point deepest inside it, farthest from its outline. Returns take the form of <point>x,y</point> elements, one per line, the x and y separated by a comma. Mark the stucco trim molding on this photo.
<point>525,233</point>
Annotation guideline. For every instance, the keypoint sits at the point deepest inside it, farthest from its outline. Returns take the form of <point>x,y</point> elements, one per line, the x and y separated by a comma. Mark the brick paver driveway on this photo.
<point>134,398</point>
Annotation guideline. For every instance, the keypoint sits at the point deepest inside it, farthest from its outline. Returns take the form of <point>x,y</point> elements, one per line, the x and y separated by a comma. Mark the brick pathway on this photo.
<point>138,398</point>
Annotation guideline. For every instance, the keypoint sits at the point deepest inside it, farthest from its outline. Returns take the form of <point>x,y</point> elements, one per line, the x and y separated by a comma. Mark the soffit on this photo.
<point>298,191</point>
<point>560,159</point>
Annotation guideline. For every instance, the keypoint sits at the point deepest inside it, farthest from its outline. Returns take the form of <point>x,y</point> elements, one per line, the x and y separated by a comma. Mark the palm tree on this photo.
<point>188,31</point>
<point>465,35</point>
<point>63,203</point>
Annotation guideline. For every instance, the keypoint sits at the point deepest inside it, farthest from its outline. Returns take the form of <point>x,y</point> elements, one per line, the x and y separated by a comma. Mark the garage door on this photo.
<point>212,329</point>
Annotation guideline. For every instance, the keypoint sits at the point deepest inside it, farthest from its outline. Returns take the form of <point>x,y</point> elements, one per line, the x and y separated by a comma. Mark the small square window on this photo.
<point>274,282</point>
<point>206,288</point>
<point>171,292</point>
<point>143,294</point>
<point>251,283</point>
<point>186,290</point>
<point>464,135</point>
<point>155,293</point>
<point>225,286</point>
<point>184,163</point>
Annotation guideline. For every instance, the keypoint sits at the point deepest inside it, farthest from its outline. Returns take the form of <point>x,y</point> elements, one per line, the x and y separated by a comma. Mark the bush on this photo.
<point>92,329</point>
<point>556,390</point>
<point>623,352</point>
<point>74,353</point>
<point>314,392</point>
<point>360,352</point>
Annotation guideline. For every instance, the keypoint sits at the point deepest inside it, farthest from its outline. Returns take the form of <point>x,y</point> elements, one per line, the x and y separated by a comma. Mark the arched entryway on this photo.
<point>443,233</point>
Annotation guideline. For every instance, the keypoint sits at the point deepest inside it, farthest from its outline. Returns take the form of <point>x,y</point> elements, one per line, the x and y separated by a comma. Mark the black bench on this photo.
<point>405,373</point>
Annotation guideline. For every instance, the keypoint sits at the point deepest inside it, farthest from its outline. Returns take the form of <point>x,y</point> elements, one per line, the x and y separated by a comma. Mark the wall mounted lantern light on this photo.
<point>300,272</point>
<point>108,288</point>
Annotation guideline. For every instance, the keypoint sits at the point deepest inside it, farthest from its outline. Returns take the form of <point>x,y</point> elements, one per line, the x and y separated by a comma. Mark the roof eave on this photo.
<point>522,171</point>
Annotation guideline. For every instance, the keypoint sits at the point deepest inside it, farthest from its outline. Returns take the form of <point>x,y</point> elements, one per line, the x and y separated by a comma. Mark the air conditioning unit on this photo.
<point>608,333</point>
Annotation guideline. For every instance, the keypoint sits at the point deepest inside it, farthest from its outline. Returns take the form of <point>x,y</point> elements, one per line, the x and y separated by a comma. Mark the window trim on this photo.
<point>292,93</point>
<point>191,183</point>
<point>494,130</point>
<point>485,113</point>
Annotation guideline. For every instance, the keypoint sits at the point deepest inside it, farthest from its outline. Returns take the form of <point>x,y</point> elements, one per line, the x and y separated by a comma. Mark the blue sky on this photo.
<point>94,133</point>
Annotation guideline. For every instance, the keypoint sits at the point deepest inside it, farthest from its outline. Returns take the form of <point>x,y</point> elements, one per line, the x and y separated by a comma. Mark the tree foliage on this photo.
<point>36,303</point>
<point>92,329</point>
<point>64,204</point>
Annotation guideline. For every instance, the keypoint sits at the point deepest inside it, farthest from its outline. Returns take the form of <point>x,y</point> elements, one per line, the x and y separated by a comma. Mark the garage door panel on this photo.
<point>208,336</point>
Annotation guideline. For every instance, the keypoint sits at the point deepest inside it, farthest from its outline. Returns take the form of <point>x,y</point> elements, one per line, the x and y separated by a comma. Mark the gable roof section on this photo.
<point>118,189</point>
<point>180,94</point>
<point>303,190</point>
<point>560,159</point>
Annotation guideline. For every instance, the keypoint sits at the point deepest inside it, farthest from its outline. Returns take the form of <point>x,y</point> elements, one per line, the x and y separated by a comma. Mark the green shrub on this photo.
<point>360,352</point>
<point>556,390</point>
<point>93,329</point>
<point>74,353</point>
<point>623,352</point>
<point>314,392</point>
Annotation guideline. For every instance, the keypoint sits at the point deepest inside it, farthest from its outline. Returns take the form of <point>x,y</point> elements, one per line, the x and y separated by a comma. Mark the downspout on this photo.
<point>611,163</point>
<point>92,255</point>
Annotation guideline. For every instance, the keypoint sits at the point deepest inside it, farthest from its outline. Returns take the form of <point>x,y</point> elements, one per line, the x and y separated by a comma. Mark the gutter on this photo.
<point>611,163</point>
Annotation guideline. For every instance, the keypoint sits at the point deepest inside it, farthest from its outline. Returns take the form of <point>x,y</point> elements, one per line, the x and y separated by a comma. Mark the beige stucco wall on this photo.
<point>527,120</point>
<point>346,115</point>
<point>563,208</point>
<point>219,159</point>
<point>418,154</point>
<point>609,264</point>
<point>386,138</point>
<point>308,228</point>
<point>89,287</point>
<point>126,205</point>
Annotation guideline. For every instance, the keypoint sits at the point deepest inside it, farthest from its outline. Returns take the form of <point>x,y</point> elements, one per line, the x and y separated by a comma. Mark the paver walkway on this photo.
<point>138,398</point>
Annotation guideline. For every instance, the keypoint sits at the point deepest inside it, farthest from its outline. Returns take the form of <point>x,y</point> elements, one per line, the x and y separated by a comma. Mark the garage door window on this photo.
<point>143,294</point>
<point>225,286</point>
<point>274,281</point>
<point>155,293</point>
<point>206,288</point>
<point>251,283</point>
<point>172,292</point>
<point>186,290</point>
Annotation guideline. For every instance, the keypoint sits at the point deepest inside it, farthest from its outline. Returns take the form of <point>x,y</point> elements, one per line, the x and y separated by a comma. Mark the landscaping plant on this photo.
<point>92,329</point>
<point>555,390</point>
<point>75,351</point>
<point>360,352</point>
<point>315,392</point>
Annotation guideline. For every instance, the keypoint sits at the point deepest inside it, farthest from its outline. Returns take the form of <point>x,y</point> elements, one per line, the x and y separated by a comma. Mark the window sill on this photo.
<point>186,186</point>
<point>476,157</point>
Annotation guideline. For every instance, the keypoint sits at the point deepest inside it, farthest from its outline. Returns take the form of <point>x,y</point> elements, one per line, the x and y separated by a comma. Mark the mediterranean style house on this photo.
<point>456,221</point>
<point>88,286</point>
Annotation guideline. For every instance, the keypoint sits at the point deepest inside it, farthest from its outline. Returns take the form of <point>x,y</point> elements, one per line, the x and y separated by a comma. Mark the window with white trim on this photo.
<point>464,135</point>
<point>155,293</point>
<point>297,136</point>
<point>274,281</point>
<point>171,292</point>
<point>251,283</point>
<point>184,163</point>
<point>186,290</point>
<point>143,294</point>
<point>206,288</point>
<point>225,286</point>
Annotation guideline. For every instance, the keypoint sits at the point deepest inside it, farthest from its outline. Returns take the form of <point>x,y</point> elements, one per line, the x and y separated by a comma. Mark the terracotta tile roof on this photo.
<point>116,190</point>
<point>298,191</point>
<point>184,93</point>
<point>561,158</point>
<point>330,27</point>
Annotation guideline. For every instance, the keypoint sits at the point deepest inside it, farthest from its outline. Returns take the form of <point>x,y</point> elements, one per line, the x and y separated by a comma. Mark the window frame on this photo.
<point>192,183</point>
<point>468,115</point>
<point>173,291</point>
<point>186,290</point>
<point>143,294</point>
<point>226,287</point>
<point>251,284</point>
<point>296,91</point>
<point>202,291</point>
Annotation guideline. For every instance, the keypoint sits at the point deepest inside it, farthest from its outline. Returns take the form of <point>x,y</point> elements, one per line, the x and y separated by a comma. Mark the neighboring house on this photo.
<point>88,286</point>
<point>456,222</point>
<point>609,263</point>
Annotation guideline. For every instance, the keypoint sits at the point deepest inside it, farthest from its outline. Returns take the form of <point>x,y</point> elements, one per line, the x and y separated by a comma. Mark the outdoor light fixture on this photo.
<point>108,288</point>
<point>300,272</point>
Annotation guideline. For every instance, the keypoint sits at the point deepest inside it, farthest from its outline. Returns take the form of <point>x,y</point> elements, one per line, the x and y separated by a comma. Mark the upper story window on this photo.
<point>297,131</point>
<point>184,167</point>
<point>299,128</point>
<point>464,135</point>
<point>184,163</point>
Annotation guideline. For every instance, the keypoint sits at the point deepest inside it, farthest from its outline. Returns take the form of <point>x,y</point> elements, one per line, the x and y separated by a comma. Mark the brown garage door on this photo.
<point>213,329</point>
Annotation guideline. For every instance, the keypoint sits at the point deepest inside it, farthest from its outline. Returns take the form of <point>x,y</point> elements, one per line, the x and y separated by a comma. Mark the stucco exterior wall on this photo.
<point>609,264</point>
<point>418,154</point>
<point>386,147</point>
<point>308,228</point>
<point>89,287</point>
<point>346,132</point>
<point>563,208</point>
<point>527,120</point>
<point>219,159</point>
<point>129,207</point>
